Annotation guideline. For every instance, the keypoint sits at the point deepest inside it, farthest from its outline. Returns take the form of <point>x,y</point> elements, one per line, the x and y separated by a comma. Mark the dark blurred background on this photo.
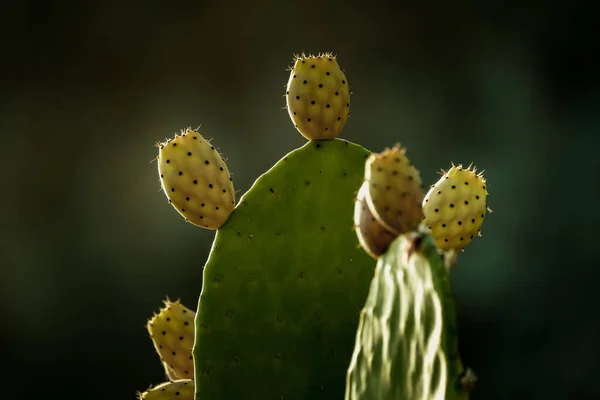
<point>89,246</point>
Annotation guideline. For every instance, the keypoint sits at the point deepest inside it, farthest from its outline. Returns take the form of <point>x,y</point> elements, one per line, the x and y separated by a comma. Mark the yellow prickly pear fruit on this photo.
<point>318,96</point>
<point>372,236</point>
<point>395,190</point>
<point>172,332</point>
<point>454,208</point>
<point>177,390</point>
<point>196,180</point>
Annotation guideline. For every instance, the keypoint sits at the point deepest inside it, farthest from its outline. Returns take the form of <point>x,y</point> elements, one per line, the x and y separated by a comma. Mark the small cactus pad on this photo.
<point>395,190</point>
<point>372,236</point>
<point>406,346</point>
<point>177,390</point>
<point>318,96</point>
<point>454,208</point>
<point>172,333</point>
<point>196,180</point>
<point>285,281</point>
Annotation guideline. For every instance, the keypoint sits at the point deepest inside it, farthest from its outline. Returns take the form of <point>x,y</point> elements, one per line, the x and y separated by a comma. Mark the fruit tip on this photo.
<point>168,302</point>
<point>397,147</point>
<point>303,56</point>
<point>184,131</point>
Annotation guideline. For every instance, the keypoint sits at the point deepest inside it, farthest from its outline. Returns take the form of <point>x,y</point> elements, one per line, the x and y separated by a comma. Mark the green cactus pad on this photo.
<point>406,346</point>
<point>285,282</point>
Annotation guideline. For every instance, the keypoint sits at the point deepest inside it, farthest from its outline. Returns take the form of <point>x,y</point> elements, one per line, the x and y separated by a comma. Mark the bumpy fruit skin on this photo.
<point>372,236</point>
<point>318,96</point>
<point>196,180</point>
<point>454,208</point>
<point>177,390</point>
<point>395,190</point>
<point>172,333</point>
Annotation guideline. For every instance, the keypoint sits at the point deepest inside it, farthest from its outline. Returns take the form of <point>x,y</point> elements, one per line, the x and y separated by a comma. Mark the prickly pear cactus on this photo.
<point>172,333</point>
<point>395,191</point>
<point>406,347</point>
<point>455,207</point>
<point>285,281</point>
<point>318,96</point>
<point>195,179</point>
<point>372,236</point>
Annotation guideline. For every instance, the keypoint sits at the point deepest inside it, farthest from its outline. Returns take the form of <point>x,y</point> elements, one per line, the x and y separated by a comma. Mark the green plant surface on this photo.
<point>285,282</point>
<point>406,344</point>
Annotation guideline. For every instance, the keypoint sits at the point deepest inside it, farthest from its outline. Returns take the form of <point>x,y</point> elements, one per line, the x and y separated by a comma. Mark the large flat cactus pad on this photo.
<point>285,282</point>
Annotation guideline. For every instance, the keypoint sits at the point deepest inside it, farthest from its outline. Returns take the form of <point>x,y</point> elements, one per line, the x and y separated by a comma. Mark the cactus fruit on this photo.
<point>372,236</point>
<point>172,333</point>
<point>406,347</point>
<point>318,96</point>
<point>177,390</point>
<point>454,208</point>
<point>395,190</point>
<point>196,180</point>
<point>285,281</point>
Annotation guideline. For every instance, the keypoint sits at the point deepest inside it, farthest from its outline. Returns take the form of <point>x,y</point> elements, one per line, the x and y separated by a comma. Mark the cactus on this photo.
<point>196,180</point>
<point>406,347</point>
<point>182,389</point>
<point>284,282</point>
<point>372,236</point>
<point>280,314</point>
<point>395,190</point>
<point>318,96</point>
<point>172,333</point>
<point>455,207</point>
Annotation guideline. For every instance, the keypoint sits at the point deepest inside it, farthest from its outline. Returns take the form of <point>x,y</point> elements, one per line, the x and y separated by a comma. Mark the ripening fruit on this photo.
<point>395,190</point>
<point>372,236</point>
<point>196,180</point>
<point>172,333</point>
<point>318,96</point>
<point>176,390</point>
<point>454,208</point>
